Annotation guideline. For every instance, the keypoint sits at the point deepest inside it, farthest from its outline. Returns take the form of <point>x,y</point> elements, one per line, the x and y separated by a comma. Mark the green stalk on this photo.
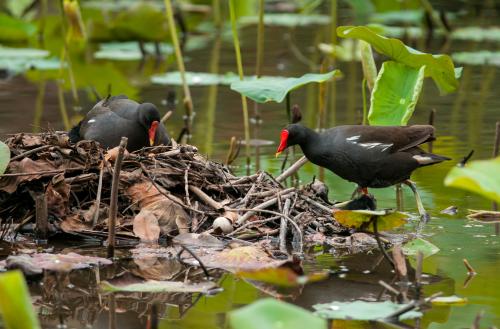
<point>188,102</point>
<point>217,13</point>
<point>363,92</point>
<point>62,106</point>
<point>260,40</point>
<point>260,53</point>
<point>333,24</point>
<point>66,55</point>
<point>240,73</point>
<point>40,97</point>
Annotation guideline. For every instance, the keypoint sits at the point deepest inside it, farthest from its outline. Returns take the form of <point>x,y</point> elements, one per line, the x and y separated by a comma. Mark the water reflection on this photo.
<point>464,121</point>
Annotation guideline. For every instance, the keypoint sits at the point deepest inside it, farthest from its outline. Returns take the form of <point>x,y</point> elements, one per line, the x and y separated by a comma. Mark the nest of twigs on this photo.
<point>163,191</point>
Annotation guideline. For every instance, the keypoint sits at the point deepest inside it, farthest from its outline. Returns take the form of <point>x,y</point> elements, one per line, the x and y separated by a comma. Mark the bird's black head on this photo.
<point>149,117</point>
<point>293,134</point>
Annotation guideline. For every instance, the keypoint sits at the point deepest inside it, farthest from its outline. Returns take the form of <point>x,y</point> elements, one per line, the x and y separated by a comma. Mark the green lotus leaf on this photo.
<point>268,89</point>
<point>273,314</point>
<point>481,177</point>
<point>364,311</point>
<point>16,309</point>
<point>439,67</point>
<point>395,94</point>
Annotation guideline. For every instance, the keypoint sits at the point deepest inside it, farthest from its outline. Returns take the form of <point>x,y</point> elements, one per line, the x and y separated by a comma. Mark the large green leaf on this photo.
<point>268,89</point>
<point>4,157</point>
<point>386,220</point>
<point>439,67</point>
<point>481,177</point>
<point>15,302</point>
<point>360,310</point>
<point>273,314</point>
<point>15,29</point>
<point>395,94</point>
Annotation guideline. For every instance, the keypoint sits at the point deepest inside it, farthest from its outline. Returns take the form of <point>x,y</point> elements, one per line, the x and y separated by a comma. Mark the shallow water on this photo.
<point>464,121</point>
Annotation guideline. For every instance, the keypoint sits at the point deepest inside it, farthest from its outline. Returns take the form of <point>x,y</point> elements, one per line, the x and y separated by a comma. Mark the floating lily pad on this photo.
<point>449,300</point>
<point>399,16</point>
<point>481,177</point>
<point>19,60</point>
<point>395,94</point>
<point>160,286</point>
<point>386,220</point>
<point>194,78</point>
<point>4,157</point>
<point>414,246</point>
<point>363,311</point>
<point>128,50</point>
<point>439,67</point>
<point>16,308</point>
<point>268,89</point>
<point>287,20</point>
<point>281,276</point>
<point>273,314</point>
<point>476,33</point>
<point>482,57</point>
<point>7,52</point>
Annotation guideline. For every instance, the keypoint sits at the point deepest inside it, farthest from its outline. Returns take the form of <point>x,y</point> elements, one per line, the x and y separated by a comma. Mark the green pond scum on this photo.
<point>226,77</point>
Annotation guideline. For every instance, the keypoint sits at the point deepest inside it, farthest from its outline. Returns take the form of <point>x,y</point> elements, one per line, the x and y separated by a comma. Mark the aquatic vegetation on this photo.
<point>15,29</point>
<point>15,305</point>
<point>4,157</point>
<point>411,248</point>
<point>439,67</point>
<point>268,89</point>
<point>270,313</point>
<point>386,220</point>
<point>365,311</point>
<point>395,94</point>
<point>480,176</point>
<point>481,57</point>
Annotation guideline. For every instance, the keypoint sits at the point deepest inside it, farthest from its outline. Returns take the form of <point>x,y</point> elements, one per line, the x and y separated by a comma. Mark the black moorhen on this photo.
<point>371,156</point>
<point>118,116</point>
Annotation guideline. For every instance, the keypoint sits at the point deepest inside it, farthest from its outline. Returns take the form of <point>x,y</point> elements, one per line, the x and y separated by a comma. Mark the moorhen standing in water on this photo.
<point>118,116</point>
<point>370,156</point>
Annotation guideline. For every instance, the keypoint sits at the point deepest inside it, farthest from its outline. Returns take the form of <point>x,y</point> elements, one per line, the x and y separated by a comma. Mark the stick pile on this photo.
<point>162,191</point>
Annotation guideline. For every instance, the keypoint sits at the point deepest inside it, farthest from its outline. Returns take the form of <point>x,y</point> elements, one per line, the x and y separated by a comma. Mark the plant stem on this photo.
<point>379,243</point>
<point>66,56</point>
<point>365,110</point>
<point>260,40</point>
<point>113,200</point>
<point>188,102</point>
<point>259,54</point>
<point>333,23</point>
<point>240,73</point>
<point>62,105</point>
<point>217,13</point>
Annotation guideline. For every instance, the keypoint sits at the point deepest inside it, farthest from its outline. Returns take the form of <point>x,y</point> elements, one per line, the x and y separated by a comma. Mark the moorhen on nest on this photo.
<point>370,156</point>
<point>118,116</point>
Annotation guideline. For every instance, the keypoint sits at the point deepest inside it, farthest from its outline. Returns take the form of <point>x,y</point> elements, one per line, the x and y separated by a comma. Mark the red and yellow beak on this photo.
<point>283,141</point>
<point>152,132</point>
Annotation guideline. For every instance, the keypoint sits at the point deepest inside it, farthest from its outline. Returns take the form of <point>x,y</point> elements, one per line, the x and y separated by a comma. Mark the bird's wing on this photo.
<point>388,139</point>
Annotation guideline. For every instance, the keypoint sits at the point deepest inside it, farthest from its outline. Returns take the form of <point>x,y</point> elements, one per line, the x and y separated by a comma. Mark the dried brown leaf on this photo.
<point>26,165</point>
<point>146,226</point>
